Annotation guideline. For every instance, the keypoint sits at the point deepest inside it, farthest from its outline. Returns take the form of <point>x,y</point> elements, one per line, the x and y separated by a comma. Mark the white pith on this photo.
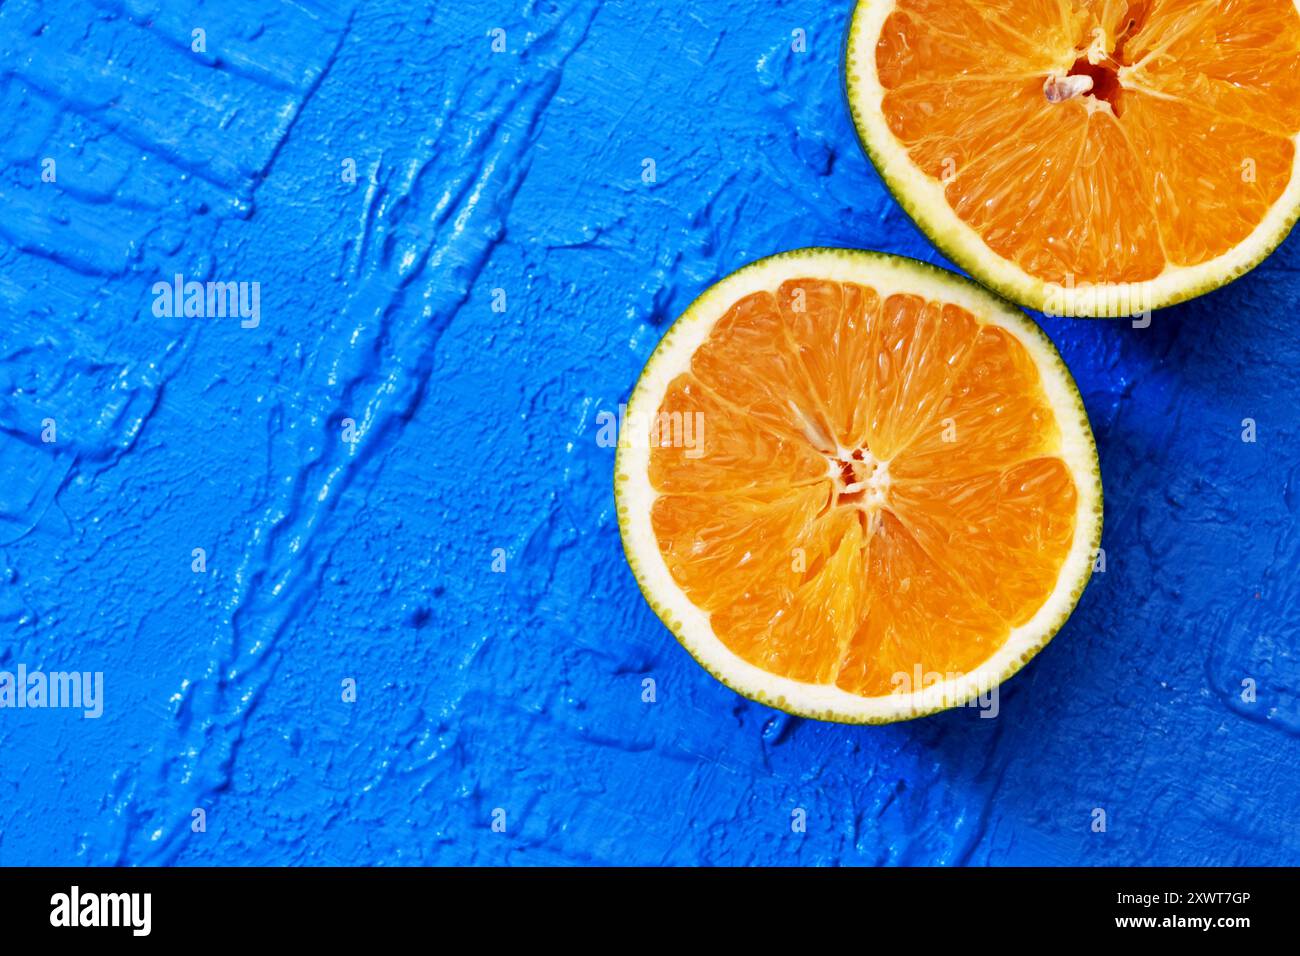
<point>923,197</point>
<point>887,275</point>
<point>874,487</point>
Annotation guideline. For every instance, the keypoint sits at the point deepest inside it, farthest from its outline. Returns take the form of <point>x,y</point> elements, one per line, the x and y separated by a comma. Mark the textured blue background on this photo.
<point>522,690</point>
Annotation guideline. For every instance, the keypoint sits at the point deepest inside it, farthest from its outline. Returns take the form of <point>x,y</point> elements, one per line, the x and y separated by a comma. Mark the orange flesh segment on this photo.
<point>779,524</point>
<point>1185,143</point>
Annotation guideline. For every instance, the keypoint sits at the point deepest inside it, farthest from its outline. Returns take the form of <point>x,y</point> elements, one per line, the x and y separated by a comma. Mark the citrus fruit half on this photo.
<point>1085,157</point>
<point>857,487</point>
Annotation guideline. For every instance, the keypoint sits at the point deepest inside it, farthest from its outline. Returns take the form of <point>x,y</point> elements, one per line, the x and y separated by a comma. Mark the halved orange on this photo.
<point>1086,157</point>
<point>857,487</point>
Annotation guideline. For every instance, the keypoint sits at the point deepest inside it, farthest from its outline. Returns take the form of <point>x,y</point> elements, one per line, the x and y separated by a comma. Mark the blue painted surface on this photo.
<point>372,561</point>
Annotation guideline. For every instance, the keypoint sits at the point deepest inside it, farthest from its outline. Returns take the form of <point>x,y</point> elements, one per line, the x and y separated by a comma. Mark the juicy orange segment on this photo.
<point>733,455</point>
<point>798,627</point>
<point>922,620</point>
<point>1098,141</point>
<point>996,521</point>
<point>877,489</point>
<point>706,539</point>
<point>992,415</point>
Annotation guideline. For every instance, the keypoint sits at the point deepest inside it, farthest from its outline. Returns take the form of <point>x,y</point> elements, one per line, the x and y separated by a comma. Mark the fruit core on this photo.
<point>1095,72</point>
<point>1103,81</point>
<point>862,480</point>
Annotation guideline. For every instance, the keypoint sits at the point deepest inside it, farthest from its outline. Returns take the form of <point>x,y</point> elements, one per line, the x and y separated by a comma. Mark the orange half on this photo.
<point>1106,157</point>
<point>857,487</point>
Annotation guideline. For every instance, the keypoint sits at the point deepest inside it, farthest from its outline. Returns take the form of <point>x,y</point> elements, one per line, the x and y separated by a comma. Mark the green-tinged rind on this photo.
<point>923,271</point>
